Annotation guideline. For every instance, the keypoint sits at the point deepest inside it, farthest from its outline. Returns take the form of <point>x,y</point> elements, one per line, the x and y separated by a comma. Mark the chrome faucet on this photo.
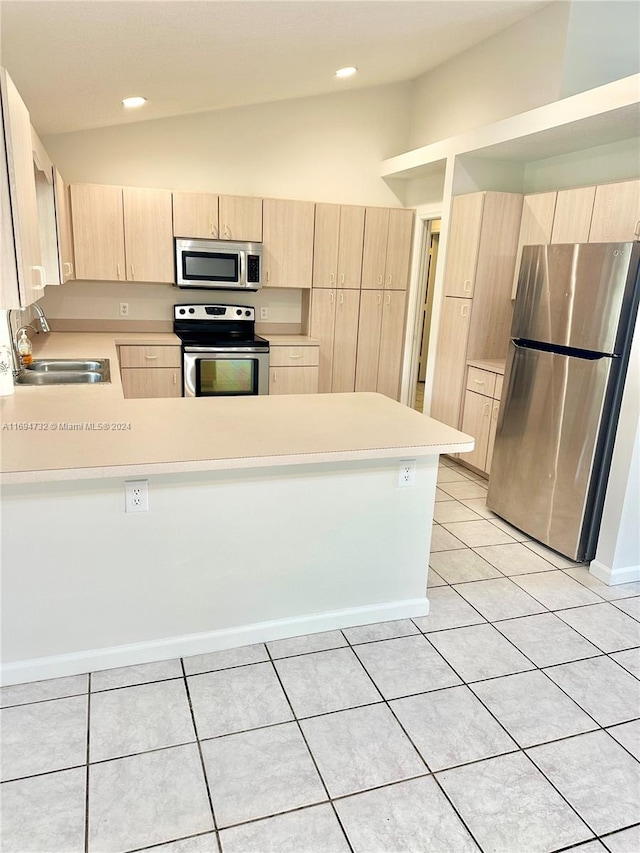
<point>44,326</point>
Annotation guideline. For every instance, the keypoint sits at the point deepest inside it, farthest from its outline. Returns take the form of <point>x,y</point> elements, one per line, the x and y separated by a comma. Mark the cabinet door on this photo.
<point>398,249</point>
<point>495,410</point>
<point>151,382</point>
<point>23,212</point>
<point>450,360</point>
<point>293,356</point>
<point>323,309</point>
<point>345,342</point>
<point>195,215</point>
<point>535,226</point>
<point>616,213</point>
<point>350,247</point>
<point>374,253</point>
<point>476,421</point>
<point>240,218</point>
<point>148,235</point>
<point>98,232</point>
<point>369,328</point>
<point>293,380</point>
<point>572,217</point>
<point>45,195</point>
<point>63,224</point>
<point>391,344</point>
<point>464,242</point>
<point>150,356</point>
<point>325,245</point>
<point>288,242</point>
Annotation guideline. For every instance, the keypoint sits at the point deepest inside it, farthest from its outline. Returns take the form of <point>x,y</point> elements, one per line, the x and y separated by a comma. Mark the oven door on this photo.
<point>225,371</point>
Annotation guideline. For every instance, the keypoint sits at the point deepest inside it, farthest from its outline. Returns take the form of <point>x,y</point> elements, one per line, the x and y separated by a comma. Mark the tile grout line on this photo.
<point>312,756</point>
<point>88,755</point>
<point>202,764</point>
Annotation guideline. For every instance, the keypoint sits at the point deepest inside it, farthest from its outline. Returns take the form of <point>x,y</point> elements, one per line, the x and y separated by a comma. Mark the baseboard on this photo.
<point>612,577</point>
<point>56,666</point>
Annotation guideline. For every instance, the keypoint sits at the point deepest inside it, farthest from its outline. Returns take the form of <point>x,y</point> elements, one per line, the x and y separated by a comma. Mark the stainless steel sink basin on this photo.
<point>64,371</point>
<point>45,365</point>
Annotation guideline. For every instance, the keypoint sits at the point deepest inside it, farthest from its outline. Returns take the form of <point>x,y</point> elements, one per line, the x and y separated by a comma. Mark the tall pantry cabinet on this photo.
<point>360,276</point>
<point>477,309</point>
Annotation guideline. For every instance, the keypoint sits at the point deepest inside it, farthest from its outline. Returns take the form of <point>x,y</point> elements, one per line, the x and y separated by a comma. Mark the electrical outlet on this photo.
<point>406,473</point>
<point>136,496</point>
<point>124,309</point>
<point>264,313</point>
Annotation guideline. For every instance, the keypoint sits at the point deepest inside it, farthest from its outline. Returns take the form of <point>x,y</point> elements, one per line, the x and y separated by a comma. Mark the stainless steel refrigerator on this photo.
<point>573,323</point>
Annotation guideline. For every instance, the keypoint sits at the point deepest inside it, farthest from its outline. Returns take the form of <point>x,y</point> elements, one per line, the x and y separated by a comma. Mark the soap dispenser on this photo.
<point>24,347</point>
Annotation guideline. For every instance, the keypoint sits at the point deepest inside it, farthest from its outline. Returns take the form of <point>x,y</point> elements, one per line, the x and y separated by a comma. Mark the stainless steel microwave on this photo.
<point>219,264</point>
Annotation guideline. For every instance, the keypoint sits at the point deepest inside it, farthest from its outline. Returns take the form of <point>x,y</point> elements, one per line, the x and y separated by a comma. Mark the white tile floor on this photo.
<point>507,720</point>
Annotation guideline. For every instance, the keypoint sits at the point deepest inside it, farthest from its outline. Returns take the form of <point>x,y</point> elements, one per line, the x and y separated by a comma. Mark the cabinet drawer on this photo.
<point>289,356</point>
<point>481,381</point>
<point>151,356</point>
<point>497,394</point>
<point>164,382</point>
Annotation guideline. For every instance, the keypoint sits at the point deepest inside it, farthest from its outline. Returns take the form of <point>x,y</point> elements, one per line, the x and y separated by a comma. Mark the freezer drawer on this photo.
<point>577,296</point>
<point>547,452</point>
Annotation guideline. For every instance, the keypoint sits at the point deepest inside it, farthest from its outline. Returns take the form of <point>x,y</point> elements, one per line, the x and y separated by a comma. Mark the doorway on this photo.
<point>429,271</point>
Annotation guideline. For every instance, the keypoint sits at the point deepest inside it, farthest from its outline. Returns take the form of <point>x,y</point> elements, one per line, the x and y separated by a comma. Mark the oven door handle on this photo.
<point>213,350</point>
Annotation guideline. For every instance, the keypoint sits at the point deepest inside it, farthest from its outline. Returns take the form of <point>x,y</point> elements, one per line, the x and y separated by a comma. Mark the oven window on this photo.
<point>210,266</point>
<point>227,376</point>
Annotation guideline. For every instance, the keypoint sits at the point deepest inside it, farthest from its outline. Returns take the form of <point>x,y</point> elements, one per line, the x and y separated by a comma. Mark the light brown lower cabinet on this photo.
<point>293,380</point>
<point>151,382</point>
<point>150,371</point>
<point>334,323</point>
<point>380,341</point>
<point>480,416</point>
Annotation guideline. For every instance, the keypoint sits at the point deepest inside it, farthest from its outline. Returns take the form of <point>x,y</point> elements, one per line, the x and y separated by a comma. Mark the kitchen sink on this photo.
<point>65,371</point>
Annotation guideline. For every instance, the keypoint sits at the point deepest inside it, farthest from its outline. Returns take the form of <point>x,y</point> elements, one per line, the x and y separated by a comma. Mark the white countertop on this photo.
<point>86,432</point>
<point>495,365</point>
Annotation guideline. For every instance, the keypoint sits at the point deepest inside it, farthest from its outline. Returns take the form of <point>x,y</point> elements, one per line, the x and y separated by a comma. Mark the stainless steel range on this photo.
<point>221,354</point>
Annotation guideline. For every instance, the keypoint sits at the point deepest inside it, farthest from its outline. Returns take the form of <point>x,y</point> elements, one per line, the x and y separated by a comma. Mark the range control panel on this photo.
<point>213,312</point>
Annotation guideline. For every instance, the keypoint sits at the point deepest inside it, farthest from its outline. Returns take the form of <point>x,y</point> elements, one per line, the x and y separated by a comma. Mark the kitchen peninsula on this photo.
<point>268,517</point>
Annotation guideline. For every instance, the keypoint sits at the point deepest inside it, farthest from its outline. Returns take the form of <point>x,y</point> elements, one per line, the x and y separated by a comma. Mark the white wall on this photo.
<point>516,70</point>
<point>327,148</point>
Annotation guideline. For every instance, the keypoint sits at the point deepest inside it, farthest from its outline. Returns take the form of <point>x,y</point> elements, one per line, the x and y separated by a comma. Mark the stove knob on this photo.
<point>238,311</point>
<point>247,313</point>
<point>181,311</point>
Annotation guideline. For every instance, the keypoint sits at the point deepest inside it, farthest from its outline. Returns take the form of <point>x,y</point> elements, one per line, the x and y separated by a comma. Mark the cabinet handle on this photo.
<point>175,381</point>
<point>341,278</point>
<point>215,231</point>
<point>42,275</point>
<point>636,230</point>
<point>118,269</point>
<point>133,272</point>
<point>227,231</point>
<point>389,280</point>
<point>67,268</point>
<point>479,381</point>
<point>380,279</point>
<point>273,375</point>
<point>379,299</point>
<point>268,275</point>
<point>464,311</point>
<point>151,356</point>
<point>331,297</point>
<point>388,299</point>
<point>485,410</point>
<point>295,356</point>
<point>332,278</point>
<point>341,298</point>
<point>467,286</point>
<point>494,414</point>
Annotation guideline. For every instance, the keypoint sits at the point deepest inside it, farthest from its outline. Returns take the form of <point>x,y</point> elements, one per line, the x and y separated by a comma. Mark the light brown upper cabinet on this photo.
<point>616,213</point>
<point>337,253</point>
<point>122,234</point>
<point>147,235</point>
<point>387,248</point>
<point>463,244</point>
<point>536,226</point>
<point>380,342</point>
<point>98,232</point>
<point>288,242</point>
<point>63,224</point>
<point>23,275</point>
<point>572,217</point>
<point>225,217</point>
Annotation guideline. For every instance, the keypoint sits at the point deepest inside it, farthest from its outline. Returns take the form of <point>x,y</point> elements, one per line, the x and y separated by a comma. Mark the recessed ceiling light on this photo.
<point>346,72</point>
<point>133,102</point>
